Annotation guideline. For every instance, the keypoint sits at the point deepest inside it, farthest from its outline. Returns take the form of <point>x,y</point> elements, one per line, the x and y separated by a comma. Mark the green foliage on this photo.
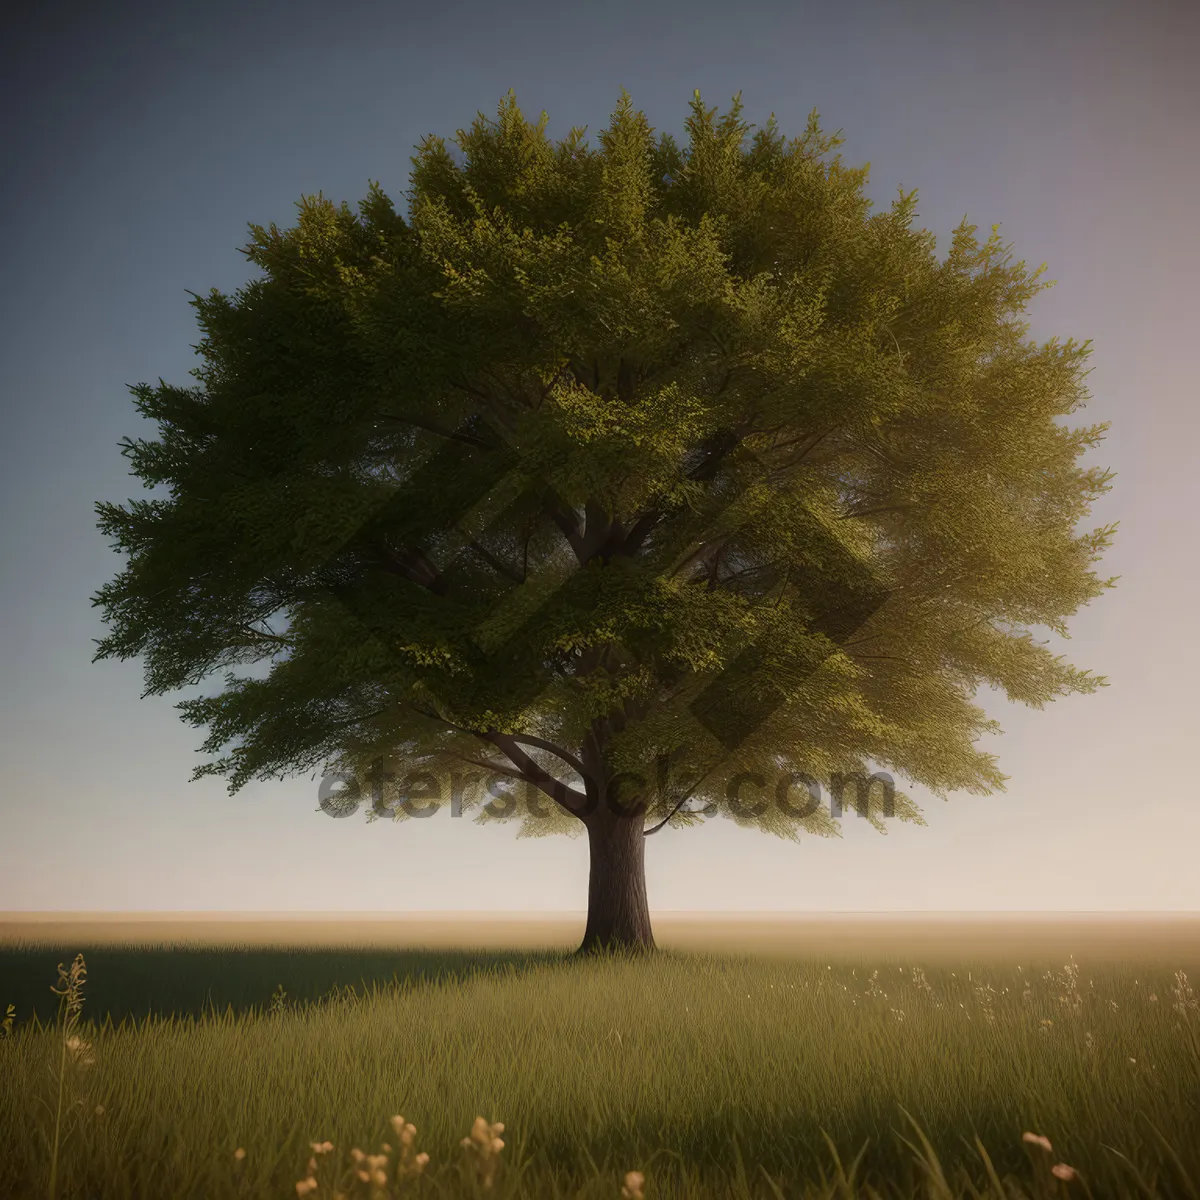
<point>517,478</point>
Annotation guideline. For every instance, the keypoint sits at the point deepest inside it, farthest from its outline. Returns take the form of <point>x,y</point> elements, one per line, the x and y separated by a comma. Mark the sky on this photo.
<point>140,142</point>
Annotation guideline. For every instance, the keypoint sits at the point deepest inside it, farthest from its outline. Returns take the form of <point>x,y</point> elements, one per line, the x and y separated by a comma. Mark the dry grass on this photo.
<point>683,1075</point>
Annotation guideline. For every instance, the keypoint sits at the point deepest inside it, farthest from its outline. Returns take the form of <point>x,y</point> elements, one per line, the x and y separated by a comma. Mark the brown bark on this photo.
<point>618,911</point>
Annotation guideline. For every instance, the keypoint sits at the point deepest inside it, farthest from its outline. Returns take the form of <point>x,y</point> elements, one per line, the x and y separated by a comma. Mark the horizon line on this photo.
<point>494,914</point>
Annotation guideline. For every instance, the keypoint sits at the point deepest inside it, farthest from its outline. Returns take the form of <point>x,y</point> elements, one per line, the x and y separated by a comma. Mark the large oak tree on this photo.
<point>637,475</point>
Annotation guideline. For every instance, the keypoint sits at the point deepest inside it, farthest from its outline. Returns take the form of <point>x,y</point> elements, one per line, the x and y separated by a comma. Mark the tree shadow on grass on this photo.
<point>189,981</point>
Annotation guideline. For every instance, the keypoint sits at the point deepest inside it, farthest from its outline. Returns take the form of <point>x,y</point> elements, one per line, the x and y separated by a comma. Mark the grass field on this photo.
<point>710,1073</point>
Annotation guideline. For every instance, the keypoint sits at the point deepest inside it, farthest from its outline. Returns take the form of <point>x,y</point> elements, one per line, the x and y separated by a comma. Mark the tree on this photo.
<point>630,475</point>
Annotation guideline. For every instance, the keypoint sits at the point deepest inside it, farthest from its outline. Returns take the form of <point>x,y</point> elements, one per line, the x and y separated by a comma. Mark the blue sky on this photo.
<point>143,139</point>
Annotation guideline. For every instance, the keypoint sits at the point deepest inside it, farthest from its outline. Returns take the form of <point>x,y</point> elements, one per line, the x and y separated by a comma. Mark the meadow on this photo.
<point>183,1070</point>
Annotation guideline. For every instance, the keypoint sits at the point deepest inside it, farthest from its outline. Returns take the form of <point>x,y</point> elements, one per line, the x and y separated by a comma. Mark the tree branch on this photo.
<point>567,521</point>
<point>686,797</point>
<point>525,739</point>
<point>699,552</point>
<point>411,563</point>
<point>430,427</point>
<point>259,635</point>
<point>630,543</point>
<point>576,803</point>
<point>354,720</point>
<point>559,792</point>
<point>638,533</point>
<point>498,768</point>
<point>495,563</point>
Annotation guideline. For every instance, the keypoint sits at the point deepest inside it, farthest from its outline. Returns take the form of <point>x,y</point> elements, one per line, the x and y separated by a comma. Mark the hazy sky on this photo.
<point>141,140</point>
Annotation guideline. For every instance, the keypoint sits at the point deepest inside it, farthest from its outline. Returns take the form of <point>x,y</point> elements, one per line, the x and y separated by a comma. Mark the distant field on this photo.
<point>901,937</point>
<point>717,1068</point>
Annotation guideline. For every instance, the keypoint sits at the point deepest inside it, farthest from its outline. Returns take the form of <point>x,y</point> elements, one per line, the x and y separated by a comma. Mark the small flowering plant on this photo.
<point>1060,1170</point>
<point>376,1176</point>
<point>632,1188</point>
<point>483,1148</point>
<point>409,1164</point>
<point>1185,999</point>
<point>74,1055</point>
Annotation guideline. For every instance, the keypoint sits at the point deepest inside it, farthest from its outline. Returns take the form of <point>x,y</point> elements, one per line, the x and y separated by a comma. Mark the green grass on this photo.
<point>711,1075</point>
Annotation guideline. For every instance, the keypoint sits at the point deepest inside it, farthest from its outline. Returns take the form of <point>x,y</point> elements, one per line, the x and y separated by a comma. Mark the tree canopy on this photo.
<point>635,469</point>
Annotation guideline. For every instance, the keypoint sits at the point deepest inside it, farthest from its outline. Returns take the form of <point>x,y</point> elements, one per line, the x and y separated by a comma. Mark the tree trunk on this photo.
<point>618,912</point>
